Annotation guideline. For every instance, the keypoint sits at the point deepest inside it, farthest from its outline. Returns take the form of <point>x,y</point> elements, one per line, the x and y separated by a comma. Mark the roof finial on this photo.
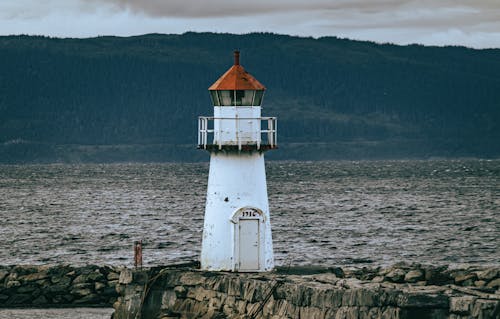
<point>236,57</point>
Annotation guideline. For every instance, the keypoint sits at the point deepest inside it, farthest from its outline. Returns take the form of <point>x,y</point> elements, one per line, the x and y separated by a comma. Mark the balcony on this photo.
<point>237,133</point>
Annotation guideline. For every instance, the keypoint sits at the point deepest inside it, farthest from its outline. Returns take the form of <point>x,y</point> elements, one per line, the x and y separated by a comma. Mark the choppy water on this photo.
<point>335,213</point>
<point>74,313</point>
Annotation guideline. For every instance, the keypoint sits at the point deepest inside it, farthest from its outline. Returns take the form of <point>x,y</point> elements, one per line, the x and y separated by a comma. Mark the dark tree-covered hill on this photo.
<point>138,98</point>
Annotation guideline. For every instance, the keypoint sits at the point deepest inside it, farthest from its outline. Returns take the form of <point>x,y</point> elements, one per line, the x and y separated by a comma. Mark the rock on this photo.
<point>488,274</point>
<point>62,299</point>
<point>43,283</point>
<point>180,291</point>
<point>12,284</point>
<point>19,299</point>
<point>422,300</point>
<point>60,279</point>
<point>396,275</point>
<point>140,277</point>
<point>337,271</point>
<point>113,276</point>
<point>109,291</point>
<point>63,281</point>
<point>40,300</point>
<point>57,289</point>
<point>120,289</point>
<point>99,286</point>
<point>88,299</point>
<point>437,275</point>
<point>34,277</point>
<point>494,283</point>
<point>484,309</point>
<point>26,289</point>
<point>126,277</point>
<point>81,292</point>
<point>59,271</point>
<point>3,273</point>
<point>95,276</point>
<point>461,305</point>
<point>87,285</point>
<point>414,276</point>
<point>465,279</point>
<point>86,270</point>
<point>480,283</point>
<point>12,276</point>
<point>168,299</point>
<point>22,270</point>
<point>192,279</point>
<point>378,279</point>
<point>80,279</point>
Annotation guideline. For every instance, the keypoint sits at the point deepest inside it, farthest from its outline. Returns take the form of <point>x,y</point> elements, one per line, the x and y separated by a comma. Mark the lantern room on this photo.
<point>237,87</point>
<point>237,122</point>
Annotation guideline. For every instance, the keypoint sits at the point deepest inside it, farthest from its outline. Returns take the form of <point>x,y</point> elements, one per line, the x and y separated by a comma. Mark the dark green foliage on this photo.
<point>362,99</point>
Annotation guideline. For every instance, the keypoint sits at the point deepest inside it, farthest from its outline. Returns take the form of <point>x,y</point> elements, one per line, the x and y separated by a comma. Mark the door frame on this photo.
<point>247,213</point>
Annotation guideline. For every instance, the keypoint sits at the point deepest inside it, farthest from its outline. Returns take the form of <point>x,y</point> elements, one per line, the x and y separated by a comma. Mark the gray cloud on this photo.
<point>327,16</point>
<point>441,22</point>
<point>222,8</point>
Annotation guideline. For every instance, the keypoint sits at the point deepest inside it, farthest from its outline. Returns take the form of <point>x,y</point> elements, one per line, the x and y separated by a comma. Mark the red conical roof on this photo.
<point>236,78</point>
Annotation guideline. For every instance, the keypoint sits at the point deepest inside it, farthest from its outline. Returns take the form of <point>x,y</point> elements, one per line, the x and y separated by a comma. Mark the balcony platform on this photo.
<point>239,136</point>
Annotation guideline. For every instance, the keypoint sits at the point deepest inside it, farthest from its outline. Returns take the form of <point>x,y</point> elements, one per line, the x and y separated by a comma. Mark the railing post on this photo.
<point>270,131</point>
<point>238,140</point>
<point>275,131</point>
<point>220,133</point>
<point>205,125</point>
<point>199,131</point>
<point>259,136</point>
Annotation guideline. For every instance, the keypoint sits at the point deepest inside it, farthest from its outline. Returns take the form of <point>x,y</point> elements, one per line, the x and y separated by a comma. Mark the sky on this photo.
<point>471,23</point>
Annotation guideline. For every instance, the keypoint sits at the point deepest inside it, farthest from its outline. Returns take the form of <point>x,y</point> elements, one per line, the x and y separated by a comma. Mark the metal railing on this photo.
<point>206,129</point>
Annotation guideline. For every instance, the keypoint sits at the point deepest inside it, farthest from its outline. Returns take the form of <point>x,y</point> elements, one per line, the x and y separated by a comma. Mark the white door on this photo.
<point>249,244</point>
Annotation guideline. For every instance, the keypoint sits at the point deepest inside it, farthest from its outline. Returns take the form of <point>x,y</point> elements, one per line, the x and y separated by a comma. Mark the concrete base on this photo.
<point>394,293</point>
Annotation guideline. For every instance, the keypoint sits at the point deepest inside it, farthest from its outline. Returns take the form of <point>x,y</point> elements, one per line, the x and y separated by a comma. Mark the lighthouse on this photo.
<point>237,230</point>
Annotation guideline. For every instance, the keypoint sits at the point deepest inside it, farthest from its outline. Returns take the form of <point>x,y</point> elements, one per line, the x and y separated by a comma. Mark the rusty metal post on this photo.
<point>138,254</point>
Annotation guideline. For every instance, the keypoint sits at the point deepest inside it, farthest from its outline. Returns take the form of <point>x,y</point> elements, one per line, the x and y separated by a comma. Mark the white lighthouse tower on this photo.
<point>237,230</point>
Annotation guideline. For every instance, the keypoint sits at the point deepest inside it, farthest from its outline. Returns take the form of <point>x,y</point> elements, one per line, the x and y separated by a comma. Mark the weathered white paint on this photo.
<point>237,124</point>
<point>236,190</point>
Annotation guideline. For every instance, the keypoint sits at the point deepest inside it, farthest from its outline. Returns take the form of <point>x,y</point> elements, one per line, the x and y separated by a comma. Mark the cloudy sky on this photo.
<point>472,23</point>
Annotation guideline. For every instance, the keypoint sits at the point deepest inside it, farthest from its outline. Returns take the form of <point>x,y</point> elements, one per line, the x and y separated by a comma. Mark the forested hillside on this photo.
<point>138,98</point>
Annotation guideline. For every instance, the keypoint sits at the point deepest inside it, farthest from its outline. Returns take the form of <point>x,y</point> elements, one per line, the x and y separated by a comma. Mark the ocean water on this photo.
<point>371,213</point>
<point>74,313</point>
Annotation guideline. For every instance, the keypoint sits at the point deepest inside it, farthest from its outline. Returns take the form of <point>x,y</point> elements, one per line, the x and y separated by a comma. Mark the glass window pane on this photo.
<point>225,97</point>
<point>244,97</point>
<point>215,98</point>
<point>258,97</point>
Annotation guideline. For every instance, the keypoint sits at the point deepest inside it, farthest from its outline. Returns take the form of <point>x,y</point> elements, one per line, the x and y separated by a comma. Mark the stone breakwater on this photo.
<point>399,292</point>
<point>58,286</point>
<point>182,291</point>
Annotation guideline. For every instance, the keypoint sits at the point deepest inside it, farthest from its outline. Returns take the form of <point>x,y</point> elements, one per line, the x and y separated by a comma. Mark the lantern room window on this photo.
<point>257,100</point>
<point>237,97</point>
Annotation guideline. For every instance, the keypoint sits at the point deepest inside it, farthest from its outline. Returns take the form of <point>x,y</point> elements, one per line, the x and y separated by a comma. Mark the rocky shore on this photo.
<point>58,286</point>
<point>399,292</point>
<point>402,291</point>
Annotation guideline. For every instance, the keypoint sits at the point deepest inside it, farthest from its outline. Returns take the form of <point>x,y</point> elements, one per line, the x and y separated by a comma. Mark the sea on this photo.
<point>330,213</point>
